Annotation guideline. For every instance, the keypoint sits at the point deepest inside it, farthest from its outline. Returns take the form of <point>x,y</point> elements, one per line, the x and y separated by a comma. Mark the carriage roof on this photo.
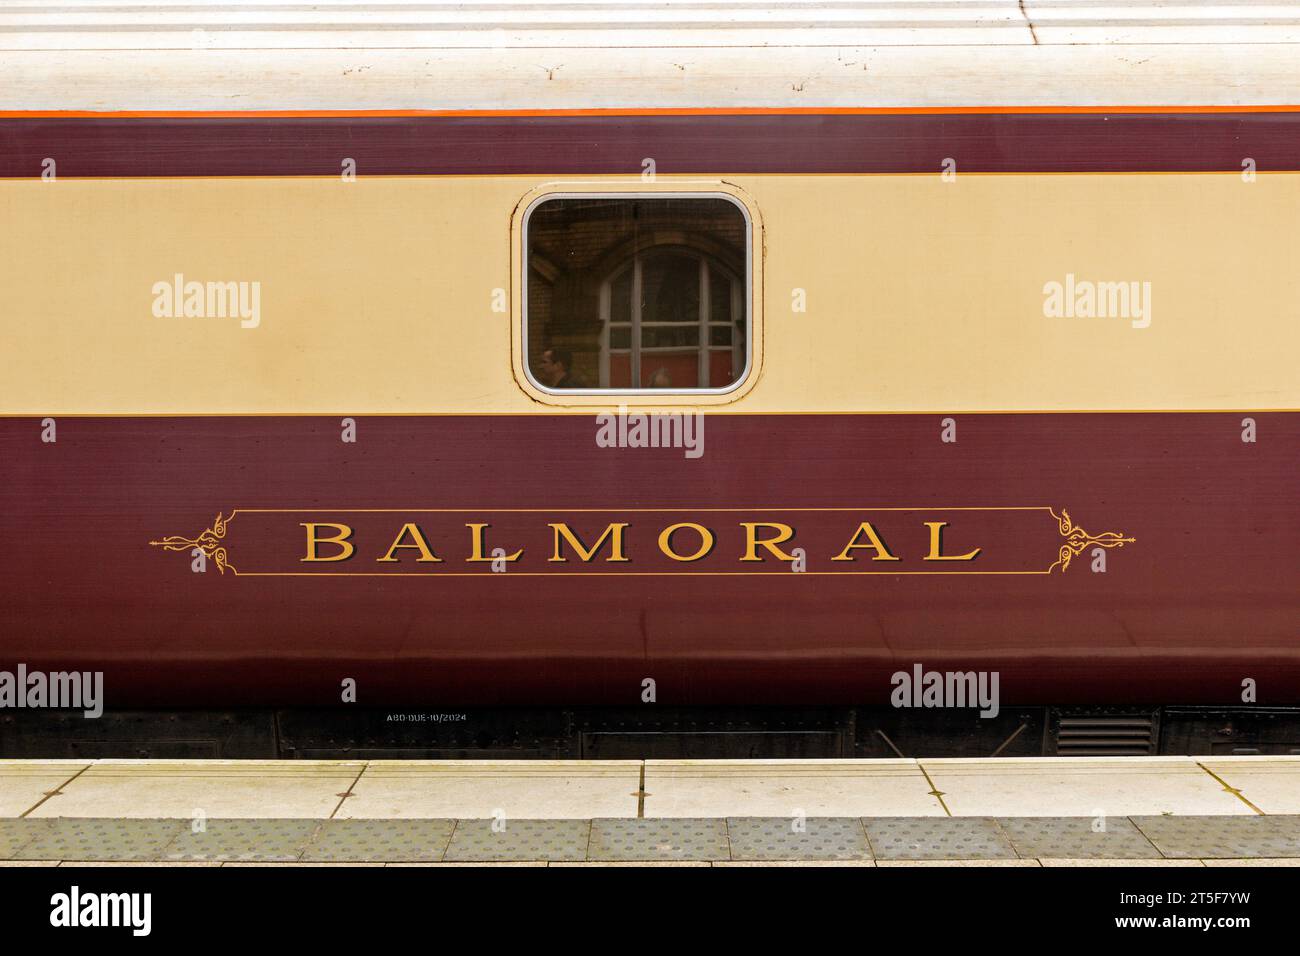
<point>197,55</point>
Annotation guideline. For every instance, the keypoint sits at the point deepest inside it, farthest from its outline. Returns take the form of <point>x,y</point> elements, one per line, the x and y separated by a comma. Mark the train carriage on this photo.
<point>606,379</point>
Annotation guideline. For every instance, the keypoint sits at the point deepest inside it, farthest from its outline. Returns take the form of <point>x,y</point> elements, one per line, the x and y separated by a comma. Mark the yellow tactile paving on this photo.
<point>25,783</point>
<point>1270,783</point>
<point>213,788</point>
<point>1080,787</point>
<point>780,788</point>
<point>480,789</point>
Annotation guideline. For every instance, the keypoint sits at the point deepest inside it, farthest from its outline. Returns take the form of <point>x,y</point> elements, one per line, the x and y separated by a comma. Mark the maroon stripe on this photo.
<point>1204,598</point>
<point>679,144</point>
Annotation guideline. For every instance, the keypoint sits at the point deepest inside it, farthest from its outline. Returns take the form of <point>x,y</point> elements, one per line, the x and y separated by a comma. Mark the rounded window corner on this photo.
<point>637,296</point>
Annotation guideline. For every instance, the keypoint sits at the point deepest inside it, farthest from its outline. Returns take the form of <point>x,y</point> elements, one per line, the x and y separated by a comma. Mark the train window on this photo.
<point>637,293</point>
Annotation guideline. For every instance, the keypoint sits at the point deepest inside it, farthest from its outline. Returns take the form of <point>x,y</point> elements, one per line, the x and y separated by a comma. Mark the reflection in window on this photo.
<point>633,292</point>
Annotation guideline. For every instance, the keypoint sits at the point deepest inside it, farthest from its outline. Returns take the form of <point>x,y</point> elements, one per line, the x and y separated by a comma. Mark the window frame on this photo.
<point>747,296</point>
<point>710,271</point>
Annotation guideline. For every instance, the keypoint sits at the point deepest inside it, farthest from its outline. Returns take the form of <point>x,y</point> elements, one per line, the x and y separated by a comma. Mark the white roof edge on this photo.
<point>110,55</point>
<point>558,79</point>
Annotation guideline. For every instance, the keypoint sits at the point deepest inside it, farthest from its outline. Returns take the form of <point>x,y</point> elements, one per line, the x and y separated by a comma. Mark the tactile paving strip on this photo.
<point>791,838</point>
<point>560,840</point>
<point>387,841</point>
<point>16,834</point>
<point>632,840</point>
<point>1225,837</point>
<point>270,841</point>
<point>1076,838</point>
<point>937,838</point>
<point>94,839</point>
<point>658,839</point>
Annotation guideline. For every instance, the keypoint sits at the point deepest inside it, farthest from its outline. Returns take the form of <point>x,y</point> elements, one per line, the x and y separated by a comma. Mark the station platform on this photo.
<point>1159,811</point>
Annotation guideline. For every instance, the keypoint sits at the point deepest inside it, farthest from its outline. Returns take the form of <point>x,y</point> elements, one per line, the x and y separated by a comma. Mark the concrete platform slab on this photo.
<point>1265,862</point>
<point>638,863</point>
<point>447,812</point>
<point>25,783</point>
<point>129,863</point>
<point>514,789</point>
<point>1270,783</point>
<point>1048,861</point>
<point>480,863</point>
<point>814,863</point>
<point>1080,787</point>
<point>888,863</point>
<point>786,788</point>
<point>212,788</point>
<point>317,864</point>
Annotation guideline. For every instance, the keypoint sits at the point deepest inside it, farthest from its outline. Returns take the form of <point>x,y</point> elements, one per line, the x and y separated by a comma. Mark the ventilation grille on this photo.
<point>1106,735</point>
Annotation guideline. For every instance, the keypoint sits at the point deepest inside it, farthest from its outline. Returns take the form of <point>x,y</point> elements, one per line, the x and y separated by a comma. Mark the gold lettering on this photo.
<point>752,542</point>
<point>314,541</point>
<point>666,541</point>
<point>873,541</point>
<point>614,531</point>
<point>417,542</point>
<point>936,545</point>
<point>476,536</point>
